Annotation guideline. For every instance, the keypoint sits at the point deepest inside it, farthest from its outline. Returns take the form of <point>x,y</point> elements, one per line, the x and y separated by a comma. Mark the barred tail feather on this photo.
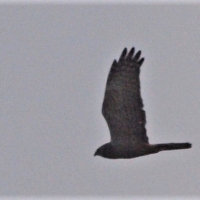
<point>173,146</point>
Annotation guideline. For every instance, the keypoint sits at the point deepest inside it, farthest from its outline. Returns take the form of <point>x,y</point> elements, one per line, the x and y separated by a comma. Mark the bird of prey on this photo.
<point>123,110</point>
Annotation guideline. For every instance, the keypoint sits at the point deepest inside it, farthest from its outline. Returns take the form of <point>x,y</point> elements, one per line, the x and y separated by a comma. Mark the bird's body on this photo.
<point>123,110</point>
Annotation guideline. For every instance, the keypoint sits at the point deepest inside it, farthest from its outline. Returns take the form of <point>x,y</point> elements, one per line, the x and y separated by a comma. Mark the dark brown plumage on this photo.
<point>123,111</point>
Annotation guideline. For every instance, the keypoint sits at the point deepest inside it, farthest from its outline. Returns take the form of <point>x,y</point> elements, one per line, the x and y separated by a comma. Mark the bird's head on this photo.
<point>106,151</point>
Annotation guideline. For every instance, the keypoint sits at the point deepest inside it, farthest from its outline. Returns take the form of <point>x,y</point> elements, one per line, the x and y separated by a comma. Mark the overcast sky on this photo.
<point>54,62</point>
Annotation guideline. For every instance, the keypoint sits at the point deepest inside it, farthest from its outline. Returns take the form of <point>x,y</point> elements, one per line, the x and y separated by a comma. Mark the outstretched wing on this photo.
<point>122,105</point>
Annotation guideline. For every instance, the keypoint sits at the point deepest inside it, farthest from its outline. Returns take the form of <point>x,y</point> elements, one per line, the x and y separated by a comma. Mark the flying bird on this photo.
<point>123,111</point>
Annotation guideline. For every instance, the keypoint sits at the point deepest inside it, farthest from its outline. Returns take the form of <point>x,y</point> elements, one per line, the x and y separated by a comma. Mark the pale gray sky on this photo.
<point>54,65</point>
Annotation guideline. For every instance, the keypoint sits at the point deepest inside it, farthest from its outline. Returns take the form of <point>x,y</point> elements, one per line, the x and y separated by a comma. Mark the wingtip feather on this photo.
<point>124,52</point>
<point>137,55</point>
<point>141,61</point>
<point>131,53</point>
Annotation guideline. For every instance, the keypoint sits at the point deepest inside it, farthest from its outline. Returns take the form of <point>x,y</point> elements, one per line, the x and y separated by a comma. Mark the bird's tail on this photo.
<point>173,146</point>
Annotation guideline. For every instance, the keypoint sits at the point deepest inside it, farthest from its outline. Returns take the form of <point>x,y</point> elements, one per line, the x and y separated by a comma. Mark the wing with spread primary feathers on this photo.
<point>122,105</point>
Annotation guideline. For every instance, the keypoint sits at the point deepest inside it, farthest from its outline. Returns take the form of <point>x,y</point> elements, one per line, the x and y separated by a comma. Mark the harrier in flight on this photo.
<point>123,111</point>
